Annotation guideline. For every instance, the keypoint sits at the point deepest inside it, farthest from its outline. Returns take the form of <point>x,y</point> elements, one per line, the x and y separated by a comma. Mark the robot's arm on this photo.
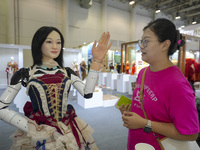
<point>84,89</point>
<point>7,115</point>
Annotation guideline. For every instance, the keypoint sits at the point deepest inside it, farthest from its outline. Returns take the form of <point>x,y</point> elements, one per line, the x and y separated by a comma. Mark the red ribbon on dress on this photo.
<point>69,119</point>
<point>39,118</point>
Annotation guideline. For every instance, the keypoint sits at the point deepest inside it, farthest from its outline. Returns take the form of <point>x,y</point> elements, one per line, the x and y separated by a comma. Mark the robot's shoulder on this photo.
<point>22,75</point>
<point>70,71</point>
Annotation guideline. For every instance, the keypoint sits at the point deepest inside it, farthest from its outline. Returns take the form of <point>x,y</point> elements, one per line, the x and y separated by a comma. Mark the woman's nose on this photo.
<point>141,46</point>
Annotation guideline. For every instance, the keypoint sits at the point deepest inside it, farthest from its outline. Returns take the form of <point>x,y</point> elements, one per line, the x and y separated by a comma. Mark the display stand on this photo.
<point>109,100</point>
<point>103,78</point>
<point>197,89</point>
<point>112,81</point>
<point>197,93</point>
<point>197,85</point>
<point>95,101</point>
<point>132,78</point>
<point>122,83</point>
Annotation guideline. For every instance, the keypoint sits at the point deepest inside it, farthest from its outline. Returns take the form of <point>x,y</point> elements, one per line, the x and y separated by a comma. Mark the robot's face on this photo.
<point>52,46</point>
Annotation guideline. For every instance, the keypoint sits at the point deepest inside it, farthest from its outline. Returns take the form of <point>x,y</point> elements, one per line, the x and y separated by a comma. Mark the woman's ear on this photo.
<point>166,45</point>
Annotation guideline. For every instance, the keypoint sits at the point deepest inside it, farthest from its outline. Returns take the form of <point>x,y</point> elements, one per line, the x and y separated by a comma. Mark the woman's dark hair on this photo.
<point>38,39</point>
<point>164,29</point>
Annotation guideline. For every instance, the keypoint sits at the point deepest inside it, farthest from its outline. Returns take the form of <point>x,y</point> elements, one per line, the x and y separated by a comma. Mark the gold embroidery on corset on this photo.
<point>53,91</point>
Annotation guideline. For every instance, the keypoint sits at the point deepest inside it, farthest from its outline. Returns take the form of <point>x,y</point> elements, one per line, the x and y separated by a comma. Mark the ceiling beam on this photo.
<point>189,8</point>
<point>176,6</point>
<point>194,14</point>
<point>164,2</point>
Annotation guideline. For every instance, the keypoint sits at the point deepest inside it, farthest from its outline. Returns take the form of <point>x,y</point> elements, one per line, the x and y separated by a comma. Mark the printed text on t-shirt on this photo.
<point>148,90</point>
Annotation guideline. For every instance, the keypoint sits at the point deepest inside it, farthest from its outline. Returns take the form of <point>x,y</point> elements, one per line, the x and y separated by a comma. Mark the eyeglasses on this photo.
<point>144,42</point>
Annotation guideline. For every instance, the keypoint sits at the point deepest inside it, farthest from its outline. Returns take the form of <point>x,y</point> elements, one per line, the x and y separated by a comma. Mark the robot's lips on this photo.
<point>54,52</point>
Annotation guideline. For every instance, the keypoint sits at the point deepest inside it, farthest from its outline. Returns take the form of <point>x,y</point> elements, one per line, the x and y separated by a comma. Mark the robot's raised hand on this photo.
<point>99,50</point>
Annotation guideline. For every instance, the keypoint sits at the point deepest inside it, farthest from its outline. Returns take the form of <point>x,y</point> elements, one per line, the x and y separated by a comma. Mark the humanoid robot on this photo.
<point>48,120</point>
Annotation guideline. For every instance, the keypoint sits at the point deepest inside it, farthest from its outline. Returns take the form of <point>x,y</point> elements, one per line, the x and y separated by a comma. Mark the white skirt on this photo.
<point>40,136</point>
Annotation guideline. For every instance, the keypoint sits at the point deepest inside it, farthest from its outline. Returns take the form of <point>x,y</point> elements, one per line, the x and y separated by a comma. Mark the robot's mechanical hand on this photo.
<point>21,76</point>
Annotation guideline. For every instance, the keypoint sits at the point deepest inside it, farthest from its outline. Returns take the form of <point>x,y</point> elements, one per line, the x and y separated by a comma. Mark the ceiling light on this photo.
<point>157,11</point>
<point>178,17</point>
<point>131,2</point>
<point>194,22</point>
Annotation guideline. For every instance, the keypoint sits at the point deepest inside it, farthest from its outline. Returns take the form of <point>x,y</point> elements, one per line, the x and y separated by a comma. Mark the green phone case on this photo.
<point>123,100</point>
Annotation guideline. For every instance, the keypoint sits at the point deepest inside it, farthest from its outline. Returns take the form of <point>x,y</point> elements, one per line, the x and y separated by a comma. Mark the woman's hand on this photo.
<point>133,120</point>
<point>99,51</point>
<point>123,108</point>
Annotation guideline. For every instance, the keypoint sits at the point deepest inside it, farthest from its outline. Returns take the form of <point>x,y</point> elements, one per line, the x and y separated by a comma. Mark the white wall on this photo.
<point>118,24</point>
<point>69,56</point>
<point>37,13</point>
<point>84,24</point>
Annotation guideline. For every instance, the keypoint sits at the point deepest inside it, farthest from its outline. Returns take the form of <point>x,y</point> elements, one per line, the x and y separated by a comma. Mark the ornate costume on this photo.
<point>11,68</point>
<point>75,68</point>
<point>133,68</point>
<point>51,122</point>
<point>83,70</point>
<point>127,68</point>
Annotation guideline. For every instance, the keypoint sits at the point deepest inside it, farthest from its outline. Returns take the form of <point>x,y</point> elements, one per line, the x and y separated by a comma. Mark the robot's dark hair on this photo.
<point>37,41</point>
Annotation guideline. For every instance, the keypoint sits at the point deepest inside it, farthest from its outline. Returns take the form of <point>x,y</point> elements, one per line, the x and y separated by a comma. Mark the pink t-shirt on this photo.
<point>168,97</point>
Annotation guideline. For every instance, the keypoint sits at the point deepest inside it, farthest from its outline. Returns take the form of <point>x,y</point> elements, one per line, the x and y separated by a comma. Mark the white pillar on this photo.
<point>20,59</point>
<point>104,15</point>
<point>65,21</point>
<point>132,24</point>
<point>10,22</point>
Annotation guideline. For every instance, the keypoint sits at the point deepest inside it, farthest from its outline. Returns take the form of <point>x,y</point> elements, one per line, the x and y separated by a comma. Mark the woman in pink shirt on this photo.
<point>169,100</point>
